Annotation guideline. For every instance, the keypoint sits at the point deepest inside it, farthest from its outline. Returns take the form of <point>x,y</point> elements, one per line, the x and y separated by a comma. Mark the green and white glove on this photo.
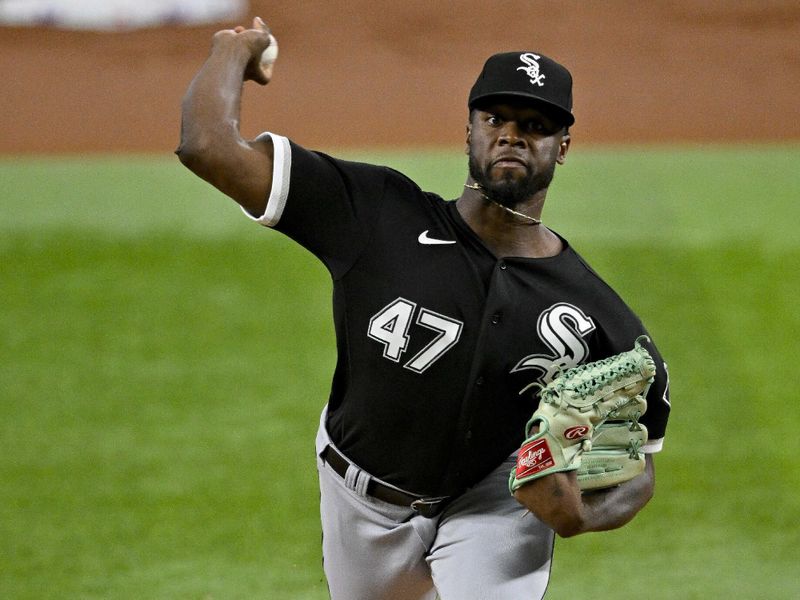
<point>615,456</point>
<point>587,420</point>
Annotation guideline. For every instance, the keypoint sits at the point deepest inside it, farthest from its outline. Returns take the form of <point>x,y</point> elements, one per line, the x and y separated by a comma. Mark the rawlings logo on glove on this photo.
<point>588,420</point>
<point>534,457</point>
<point>577,432</point>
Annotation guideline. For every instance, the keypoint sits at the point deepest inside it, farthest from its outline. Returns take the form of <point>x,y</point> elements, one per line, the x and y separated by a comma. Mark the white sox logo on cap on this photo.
<point>532,68</point>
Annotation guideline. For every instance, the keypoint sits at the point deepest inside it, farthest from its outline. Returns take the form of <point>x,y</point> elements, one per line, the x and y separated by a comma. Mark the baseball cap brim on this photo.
<point>563,116</point>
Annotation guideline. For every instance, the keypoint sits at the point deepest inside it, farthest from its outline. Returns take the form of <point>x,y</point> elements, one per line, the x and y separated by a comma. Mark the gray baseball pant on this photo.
<point>483,546</point>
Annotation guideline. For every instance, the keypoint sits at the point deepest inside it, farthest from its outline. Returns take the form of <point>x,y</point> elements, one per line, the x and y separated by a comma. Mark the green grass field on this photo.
<point>163,362</point>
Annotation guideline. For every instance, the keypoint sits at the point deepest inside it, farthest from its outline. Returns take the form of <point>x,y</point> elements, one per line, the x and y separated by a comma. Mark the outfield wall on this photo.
<point>381,73</point>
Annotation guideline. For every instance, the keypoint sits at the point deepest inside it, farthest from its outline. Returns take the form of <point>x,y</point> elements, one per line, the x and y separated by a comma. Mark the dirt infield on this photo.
<point>383,73</point>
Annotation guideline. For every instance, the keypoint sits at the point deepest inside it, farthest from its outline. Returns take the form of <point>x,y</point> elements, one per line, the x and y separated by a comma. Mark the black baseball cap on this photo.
<point>526,75</point>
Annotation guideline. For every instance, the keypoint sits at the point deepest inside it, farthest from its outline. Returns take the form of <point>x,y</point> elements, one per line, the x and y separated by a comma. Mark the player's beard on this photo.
<point>510,190</point>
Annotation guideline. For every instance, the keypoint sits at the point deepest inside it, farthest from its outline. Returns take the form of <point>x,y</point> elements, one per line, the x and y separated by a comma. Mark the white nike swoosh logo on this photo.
<point>425,239</point>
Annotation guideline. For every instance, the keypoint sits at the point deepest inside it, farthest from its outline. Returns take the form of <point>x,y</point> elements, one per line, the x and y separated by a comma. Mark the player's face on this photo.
<point>513,150</point>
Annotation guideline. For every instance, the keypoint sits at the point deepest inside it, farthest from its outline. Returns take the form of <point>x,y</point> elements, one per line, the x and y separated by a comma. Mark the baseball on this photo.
<point>271,53</point>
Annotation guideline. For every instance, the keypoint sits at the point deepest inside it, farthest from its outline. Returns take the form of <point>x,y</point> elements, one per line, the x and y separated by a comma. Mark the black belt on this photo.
<point>427,507</point>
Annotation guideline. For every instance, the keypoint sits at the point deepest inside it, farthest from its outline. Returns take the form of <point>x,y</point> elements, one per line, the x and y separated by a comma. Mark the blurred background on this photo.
<point>396,73</point>
<point>163,361</point>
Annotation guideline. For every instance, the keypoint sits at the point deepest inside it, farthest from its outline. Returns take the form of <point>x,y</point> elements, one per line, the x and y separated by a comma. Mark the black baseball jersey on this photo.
<point>435,335</point>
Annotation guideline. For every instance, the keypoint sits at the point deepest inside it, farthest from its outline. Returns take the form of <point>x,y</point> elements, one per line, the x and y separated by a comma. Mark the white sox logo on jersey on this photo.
<point>562,327</point>
<point>532,68</point>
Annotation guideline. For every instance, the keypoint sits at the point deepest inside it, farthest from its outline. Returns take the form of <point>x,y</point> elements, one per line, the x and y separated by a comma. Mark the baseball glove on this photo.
<point>587,421</point>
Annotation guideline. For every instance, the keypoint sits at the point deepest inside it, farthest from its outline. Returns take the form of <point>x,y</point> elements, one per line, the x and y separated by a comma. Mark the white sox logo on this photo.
<point>562,328</point>
<point>532,68</point>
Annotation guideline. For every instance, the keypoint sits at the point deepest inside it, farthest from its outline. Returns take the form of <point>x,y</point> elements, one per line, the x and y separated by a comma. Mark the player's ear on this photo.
<point>469,139</point>
<point>563,148</point>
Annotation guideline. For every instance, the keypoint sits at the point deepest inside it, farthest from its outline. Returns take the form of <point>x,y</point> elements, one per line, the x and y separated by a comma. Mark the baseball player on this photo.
<point>444,311</point>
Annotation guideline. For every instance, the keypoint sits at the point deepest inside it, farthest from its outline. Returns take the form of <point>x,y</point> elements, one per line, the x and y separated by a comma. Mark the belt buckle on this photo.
<point>428,507</point>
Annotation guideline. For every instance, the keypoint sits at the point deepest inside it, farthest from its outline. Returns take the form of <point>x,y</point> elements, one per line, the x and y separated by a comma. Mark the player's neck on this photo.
<point>524,217</point>
<point>518,232</point>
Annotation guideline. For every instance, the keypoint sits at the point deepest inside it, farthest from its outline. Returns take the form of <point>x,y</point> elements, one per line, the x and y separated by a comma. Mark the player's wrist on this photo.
<point>232,50</point>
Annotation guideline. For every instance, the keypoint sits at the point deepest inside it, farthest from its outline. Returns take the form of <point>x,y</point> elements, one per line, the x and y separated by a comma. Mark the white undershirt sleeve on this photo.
<point>281,169</point>
<point>653,446</point>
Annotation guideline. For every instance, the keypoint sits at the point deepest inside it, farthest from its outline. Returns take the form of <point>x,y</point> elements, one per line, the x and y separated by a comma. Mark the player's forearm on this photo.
<point>211,144</point>
<point>210,111</point>
<point>556,500</point>
<point>614,507</point>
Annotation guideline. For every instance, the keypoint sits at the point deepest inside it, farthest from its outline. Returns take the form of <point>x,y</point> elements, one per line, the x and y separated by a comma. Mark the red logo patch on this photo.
<point>577,432</point>
<point>533,458</point>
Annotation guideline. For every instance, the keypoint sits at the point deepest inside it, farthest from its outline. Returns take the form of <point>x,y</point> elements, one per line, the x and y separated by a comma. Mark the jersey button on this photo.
<point>495,319</point>
<point>479,380</point>
<point>502,266</point>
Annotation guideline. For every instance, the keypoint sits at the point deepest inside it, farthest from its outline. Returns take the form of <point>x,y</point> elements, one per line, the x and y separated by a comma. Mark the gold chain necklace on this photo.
<point>477,187</point>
